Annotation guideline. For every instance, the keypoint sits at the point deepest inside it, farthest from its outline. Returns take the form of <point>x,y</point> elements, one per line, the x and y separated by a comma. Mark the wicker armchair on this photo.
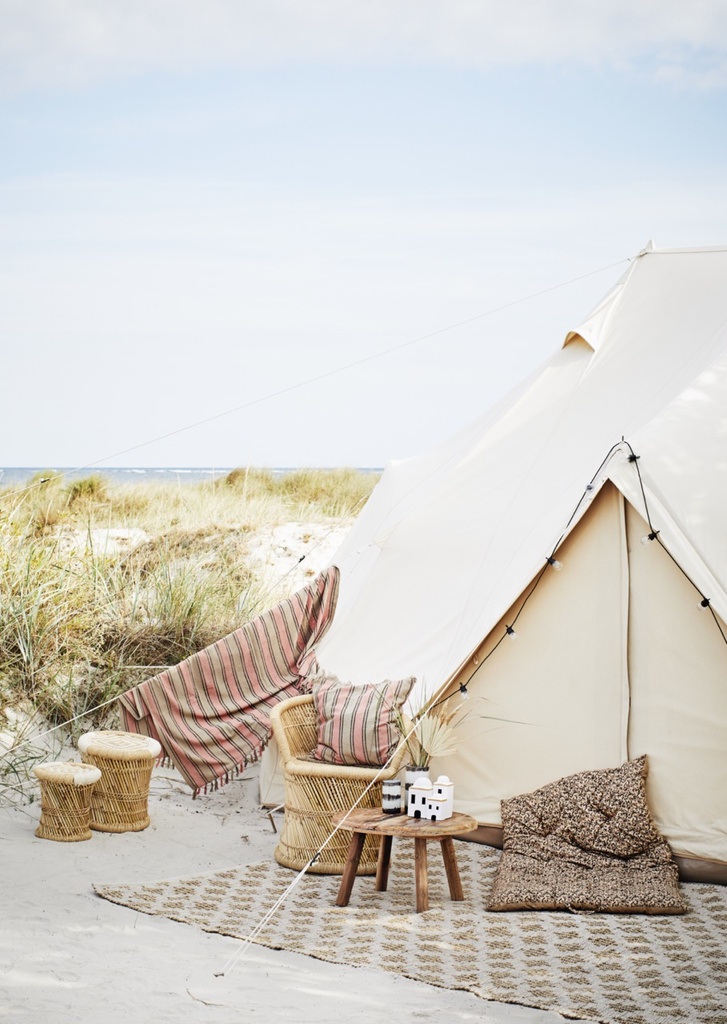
<point>315,791</point>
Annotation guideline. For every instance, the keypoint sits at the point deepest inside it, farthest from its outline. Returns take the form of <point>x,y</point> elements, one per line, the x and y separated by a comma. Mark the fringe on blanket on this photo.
<point>211,712</point>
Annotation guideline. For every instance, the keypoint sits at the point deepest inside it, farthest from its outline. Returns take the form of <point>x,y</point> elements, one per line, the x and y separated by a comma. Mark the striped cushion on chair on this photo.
<point>357,724</point>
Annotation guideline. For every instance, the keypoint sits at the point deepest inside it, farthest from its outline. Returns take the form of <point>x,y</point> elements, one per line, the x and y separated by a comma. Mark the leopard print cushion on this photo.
<point>586,842</point>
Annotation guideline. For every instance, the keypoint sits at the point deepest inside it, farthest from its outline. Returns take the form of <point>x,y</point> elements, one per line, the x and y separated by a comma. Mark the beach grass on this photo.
<point>102,586</point>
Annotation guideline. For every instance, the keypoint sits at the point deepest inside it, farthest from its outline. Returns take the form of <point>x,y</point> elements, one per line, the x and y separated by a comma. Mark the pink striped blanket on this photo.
<point>211,712</point>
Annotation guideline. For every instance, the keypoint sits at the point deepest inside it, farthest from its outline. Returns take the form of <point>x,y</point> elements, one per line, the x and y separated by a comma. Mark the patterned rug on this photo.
<point>615,968</point>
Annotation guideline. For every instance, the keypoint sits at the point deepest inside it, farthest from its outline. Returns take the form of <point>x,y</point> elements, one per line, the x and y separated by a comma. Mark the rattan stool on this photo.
<point>66,788</point>
<point>120,801</point>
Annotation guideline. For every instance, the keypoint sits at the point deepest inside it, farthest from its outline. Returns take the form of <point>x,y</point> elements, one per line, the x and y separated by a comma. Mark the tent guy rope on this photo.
<point>247,942</point>
<point>344,368</point>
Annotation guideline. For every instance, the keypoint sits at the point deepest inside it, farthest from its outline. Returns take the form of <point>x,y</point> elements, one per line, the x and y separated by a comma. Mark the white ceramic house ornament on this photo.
<point>431,800</point>
<point>436,808</point>
<point>444,790</point>
<point>419,794</point>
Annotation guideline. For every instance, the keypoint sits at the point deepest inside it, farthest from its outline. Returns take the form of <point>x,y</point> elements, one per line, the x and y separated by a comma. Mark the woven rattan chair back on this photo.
<point>314,792</point>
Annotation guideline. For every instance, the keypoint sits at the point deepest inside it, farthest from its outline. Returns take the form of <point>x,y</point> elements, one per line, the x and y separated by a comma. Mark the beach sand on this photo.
<point>68,955</point>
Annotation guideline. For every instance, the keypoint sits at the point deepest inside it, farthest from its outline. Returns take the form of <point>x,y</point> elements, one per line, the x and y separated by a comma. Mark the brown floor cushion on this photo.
<point>586,842</point>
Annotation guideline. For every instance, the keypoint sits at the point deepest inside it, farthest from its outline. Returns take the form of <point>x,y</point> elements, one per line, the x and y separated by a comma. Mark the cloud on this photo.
<point>76,42</point>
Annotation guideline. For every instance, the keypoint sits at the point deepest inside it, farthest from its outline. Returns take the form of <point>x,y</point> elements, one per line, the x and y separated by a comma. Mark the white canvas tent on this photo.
<point>614,657</point>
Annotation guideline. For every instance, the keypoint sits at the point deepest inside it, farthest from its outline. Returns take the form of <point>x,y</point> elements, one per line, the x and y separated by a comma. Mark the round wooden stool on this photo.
<point>66,788</point>
<point>120,801</point>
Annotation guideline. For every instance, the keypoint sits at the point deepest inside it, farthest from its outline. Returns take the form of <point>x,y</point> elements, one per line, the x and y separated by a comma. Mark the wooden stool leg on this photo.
<point>420,870</point>
<point>382,868</point>
<point>450,866</point>
<point>349,872</point>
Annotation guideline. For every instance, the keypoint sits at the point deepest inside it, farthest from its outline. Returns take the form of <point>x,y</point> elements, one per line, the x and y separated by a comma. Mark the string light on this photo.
<point>554,563</point>
<point>461,692</point>
<point>704,603</point>
<point>653,535</point>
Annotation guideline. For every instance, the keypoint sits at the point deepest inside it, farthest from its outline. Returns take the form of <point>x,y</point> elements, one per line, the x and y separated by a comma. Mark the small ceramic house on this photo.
<point>436,809</point>
<point>419,794</point>
<point>431,800</point>
<point>443,789</point>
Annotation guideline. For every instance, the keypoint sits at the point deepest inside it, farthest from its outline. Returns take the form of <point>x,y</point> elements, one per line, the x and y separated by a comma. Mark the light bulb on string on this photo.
<point>650,537</point>
<point>704,604</point>
<point>463,691</point>
<point>511,633</point>
<point>554,564</point>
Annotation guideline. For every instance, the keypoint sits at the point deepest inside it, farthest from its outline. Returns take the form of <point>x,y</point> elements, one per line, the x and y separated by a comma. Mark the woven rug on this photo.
<point>615,968</point>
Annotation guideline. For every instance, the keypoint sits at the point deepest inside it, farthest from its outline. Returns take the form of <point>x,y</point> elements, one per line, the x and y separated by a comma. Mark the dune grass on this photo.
<point>102,586</point>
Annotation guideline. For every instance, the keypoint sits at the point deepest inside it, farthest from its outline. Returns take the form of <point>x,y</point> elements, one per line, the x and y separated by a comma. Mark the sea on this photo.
<point>18,476</point>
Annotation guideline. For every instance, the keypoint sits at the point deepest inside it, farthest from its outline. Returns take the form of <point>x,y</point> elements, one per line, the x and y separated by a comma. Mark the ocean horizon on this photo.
<point>18,476</point>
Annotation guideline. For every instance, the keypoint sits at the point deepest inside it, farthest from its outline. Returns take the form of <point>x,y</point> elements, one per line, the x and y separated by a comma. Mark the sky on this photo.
<point>283,233</point>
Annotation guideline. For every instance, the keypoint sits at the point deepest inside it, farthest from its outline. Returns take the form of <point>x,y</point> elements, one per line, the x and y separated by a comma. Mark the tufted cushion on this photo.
<point>586,842</point>
<point>356,724</point>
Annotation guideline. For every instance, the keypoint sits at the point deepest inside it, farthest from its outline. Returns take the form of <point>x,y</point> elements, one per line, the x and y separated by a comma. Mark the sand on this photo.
<point>68,955</point>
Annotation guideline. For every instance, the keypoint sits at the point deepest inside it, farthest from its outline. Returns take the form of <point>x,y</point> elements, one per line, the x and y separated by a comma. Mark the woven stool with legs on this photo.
<point>65,800</point>
<point>120,802</point>
<point>315,791</point>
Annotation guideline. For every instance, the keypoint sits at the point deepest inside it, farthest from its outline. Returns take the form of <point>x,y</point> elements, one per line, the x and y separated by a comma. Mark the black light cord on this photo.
<point>460,691</point>
<point>654,534</point>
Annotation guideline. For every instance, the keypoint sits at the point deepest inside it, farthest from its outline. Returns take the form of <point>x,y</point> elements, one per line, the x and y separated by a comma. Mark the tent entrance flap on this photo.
<point>554,701</point>
<point>678,673</point>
